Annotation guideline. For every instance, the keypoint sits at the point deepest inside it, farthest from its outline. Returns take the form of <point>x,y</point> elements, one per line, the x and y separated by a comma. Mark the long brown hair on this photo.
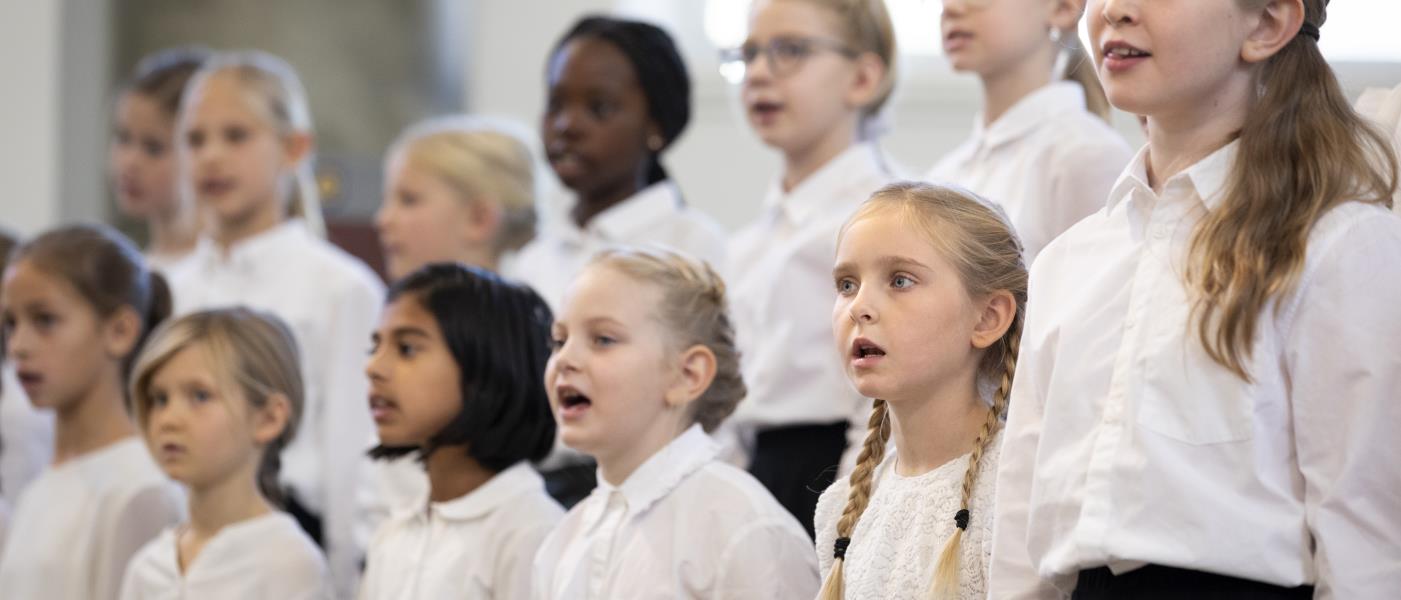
<point>982,246</point>
<point>1302,151</point>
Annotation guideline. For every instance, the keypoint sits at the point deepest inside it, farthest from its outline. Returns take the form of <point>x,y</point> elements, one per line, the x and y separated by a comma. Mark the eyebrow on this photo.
<point>887,261</point>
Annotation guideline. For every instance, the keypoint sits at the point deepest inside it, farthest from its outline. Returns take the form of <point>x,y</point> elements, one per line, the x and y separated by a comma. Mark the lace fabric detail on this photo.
<point>909,519</point>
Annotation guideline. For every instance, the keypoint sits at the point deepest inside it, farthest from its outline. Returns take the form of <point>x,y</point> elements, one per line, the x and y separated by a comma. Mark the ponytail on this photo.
<point>1302,151</point>
<point>1080,69</point>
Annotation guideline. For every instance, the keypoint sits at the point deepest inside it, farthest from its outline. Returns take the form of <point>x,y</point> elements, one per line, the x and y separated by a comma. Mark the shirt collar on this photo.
<point>1207,177</point>
<point>267,247</point>
<point>825,188</point>
<point>1033,110</point>
<point>661,473</point>
<point>625,220</point>
<point>498,491</point>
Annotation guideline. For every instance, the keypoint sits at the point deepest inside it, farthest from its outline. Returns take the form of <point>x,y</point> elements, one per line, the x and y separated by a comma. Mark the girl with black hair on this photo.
<point>456,377</point>
<point>619,96</point>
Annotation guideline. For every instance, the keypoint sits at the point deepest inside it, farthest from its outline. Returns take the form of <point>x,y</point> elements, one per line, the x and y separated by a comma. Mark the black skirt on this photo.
<point>1154,582</point>
<point>797,463</point>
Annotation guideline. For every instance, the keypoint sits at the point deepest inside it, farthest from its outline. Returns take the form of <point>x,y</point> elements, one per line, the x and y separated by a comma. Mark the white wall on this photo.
<point>29,106</point>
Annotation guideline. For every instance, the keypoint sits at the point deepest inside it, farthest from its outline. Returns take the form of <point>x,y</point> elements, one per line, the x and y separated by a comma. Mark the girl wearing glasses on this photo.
<point>1042,147</point>
<point>816,74</point>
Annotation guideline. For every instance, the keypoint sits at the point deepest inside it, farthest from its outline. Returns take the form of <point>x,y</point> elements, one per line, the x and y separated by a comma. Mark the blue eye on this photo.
<point>603,340</point>
<point>556,343</point>
<point>159,400</point>
<point>201,396</point>
<point>901,282</point>
<point>846,286</point>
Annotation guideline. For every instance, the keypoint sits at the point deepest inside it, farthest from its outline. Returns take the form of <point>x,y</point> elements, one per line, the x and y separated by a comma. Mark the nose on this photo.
<point>18,343</point>
<point>863,309</point>
<point>1118,12</point>
<point>954,8</point>
<point>758,71</point>
<point>169,417</point>
<point>384,214</point>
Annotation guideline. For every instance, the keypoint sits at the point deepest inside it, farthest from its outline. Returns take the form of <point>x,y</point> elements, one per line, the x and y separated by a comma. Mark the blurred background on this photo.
<point>371,67</point>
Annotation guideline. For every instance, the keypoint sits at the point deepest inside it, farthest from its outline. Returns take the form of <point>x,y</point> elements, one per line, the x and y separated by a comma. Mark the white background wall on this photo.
<point>54,63</point>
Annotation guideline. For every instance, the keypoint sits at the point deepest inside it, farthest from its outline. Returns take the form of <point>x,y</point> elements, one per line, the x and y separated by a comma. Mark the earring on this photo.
<point>654,143</point>
<point>1055,36</point>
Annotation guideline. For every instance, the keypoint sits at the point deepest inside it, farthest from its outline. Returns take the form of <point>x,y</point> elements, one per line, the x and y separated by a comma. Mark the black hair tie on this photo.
<point>839,548</point>
<point>1310,30</point>
<point>960,519</point>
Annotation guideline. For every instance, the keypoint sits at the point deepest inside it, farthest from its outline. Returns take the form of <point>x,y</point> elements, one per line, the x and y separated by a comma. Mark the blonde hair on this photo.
<point>274,91</point>
<point>1303,150</point>
<point>865,26</point>
<point>982,246</point>
<point>254,351</point>
<point>694,311</point>
<point>479,159</point>
<point>1080,69</point>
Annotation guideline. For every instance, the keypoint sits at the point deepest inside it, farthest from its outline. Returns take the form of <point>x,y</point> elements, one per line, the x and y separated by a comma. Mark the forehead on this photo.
<point>791,18</point>
<point>24,282</point>
<point>193,360</point>
<point>407,312</point>
<point>591,62</point>
<point>884,233</point>
<point>138,109</point>
<point>222,95</point>
<point>604,292</point>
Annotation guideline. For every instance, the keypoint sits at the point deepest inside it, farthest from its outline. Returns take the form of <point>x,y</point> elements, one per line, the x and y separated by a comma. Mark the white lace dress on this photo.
<point>906,524</point>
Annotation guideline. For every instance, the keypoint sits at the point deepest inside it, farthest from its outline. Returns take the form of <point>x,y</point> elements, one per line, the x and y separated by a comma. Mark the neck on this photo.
<point>233,499</point>
<point>937,428</point>
<point>801,163</point>
<point>1003,89</point>
<point>593,203</point>
<point>1179,139</point>
<point>616,467</point>
<point>228,232</point>
<point>481,256</point>
<point>452,473</point>
<point>93,422</point>
<point>173,231</point>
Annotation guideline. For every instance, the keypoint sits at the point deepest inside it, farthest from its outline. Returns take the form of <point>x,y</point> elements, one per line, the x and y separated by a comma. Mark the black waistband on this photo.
<point>804,433</point>
<point>1153,582</point>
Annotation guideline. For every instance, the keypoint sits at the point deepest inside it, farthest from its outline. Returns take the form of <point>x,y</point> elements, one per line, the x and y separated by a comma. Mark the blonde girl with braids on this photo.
<point>644,368</point>
<point>930,293</point>
<point>1206,404</point>
<point>1042,147</point>
<point>217,395</point>
<point>246,147</point>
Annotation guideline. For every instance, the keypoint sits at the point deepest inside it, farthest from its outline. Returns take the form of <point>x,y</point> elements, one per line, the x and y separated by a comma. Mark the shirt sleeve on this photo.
<point>139,520</point>
<point>1012,574</point>
<point>1343,357</point>
<point>1082,176</point>
<point>768,559</point>
<point>346,427</point>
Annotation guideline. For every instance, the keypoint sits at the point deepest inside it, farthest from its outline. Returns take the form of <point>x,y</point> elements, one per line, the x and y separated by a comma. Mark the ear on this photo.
<point>870,72</point>
<point>297,147</point>
<point>996,315</point>
<point>1065,15</point>
<point>270,420</point>
<point>697,370</point>
<point>484,216</point>
<point>1276,26</point>
<point>121,331</point>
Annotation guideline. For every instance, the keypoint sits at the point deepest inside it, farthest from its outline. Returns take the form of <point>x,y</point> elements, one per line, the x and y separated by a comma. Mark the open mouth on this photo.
<point>765,109</point>
<point>864,351</point>
<point>215,187</point>
<point>572,402</point>
<point>29,379</point>
<point>381,407</point>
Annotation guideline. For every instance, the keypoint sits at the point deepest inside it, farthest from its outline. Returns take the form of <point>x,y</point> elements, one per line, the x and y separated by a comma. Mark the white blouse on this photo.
<point>476,547</point>
<point>1127,445</point>
<point>80,523</point>
<point>264,557</point>
<point>684,525</point>
<point>1048,162</point>
<point>26,438</point>
<point>331,301</point>
<point>781,296</point>
<point>905,526</point>
<point>654,215</point>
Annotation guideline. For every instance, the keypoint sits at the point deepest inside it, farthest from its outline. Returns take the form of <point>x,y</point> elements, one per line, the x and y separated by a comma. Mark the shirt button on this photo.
<point>1160,232</point>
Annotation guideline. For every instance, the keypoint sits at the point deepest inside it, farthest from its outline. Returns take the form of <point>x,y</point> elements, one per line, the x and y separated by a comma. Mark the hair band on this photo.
<point>960,520</point>
<point>839,548</point>
<point>1310,30</point>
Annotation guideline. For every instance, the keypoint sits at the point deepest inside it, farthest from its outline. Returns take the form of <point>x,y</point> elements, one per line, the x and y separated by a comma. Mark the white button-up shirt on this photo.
<point>654,215</point>
<point>80,523</point>
<point>1127,445</point>
<point>331,302</point>
<point>26,438</point>
<point>263,557</point>
<point>1048,162</point>
<point>479,546</point>
<point>683,525</point>
<point>781,296</point>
